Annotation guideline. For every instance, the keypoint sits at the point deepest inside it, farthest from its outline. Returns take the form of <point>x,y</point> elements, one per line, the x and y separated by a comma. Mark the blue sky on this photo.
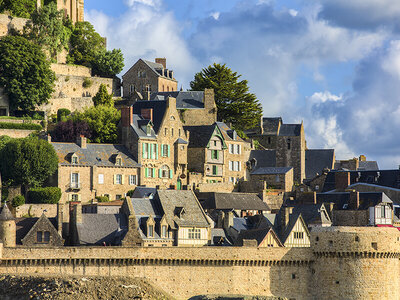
<point>334,64</point>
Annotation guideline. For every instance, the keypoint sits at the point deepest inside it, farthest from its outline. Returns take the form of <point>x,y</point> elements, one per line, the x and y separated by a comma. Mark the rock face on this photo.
<point>76,288</point>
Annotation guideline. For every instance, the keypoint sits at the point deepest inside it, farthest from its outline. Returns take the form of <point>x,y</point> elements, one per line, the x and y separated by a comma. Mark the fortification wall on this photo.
<point>71,70</point>
<point>16,133</point>
<point>36,210</point>
<point>73,104</point>
<point>8,22</point>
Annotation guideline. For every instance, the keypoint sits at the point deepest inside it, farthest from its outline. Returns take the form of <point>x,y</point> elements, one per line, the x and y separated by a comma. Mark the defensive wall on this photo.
<point>8,22</point>
<point>342,263</point>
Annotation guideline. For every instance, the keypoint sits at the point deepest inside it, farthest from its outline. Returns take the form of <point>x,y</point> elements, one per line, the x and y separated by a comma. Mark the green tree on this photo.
<point>25,73</point>
<point>103,121</point>
<point>18,201</point>
<point>46,28</point>
<point>85,43</point>
<point>18,8</point>
<point>108,63</point>
<point>29,161</point>
<point>103,97</point>
<point>234,102</point>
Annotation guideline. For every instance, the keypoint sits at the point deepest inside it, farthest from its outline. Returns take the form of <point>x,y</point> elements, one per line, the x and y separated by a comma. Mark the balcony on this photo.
<point>75,186</point>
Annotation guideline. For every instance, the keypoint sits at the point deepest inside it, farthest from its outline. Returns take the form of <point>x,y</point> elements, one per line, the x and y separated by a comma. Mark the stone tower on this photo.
<point>355,263</point>
<point>7,227</point>
<point>73,9</point>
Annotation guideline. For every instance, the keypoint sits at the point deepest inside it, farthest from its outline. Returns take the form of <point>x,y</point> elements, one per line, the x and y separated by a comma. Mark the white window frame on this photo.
<point>164,230</point>
<point>132,180</point>
<point>118,179</point>
<point>75,180</point>
<point>231,148</point>
<point>194,234</point>
<point>237,149</point>
<point>101,178</point>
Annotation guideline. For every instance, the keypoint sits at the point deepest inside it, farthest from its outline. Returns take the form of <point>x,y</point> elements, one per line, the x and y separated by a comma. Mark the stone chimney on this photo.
<point>162,61</point>
<point>362,158</point>
<point>354,201</point>
<point>59,218</point>
<point>147,113</point>
<point>171,102</point>
<point>77,213</point>
<point>285,217</point>
<point>220,219</point>
<point>342,180</point>
<point>228,219</point>
<point>81,141</point>
<point>127,116</point>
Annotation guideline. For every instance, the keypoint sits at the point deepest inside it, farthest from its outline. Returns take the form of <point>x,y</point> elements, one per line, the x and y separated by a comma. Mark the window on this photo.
<point>231,149</point>
<point>118,197</point>
<point>164,171</point>
<point>194,233</point>
<point>215,143</point>
<point>298,235</point>
<point>75,197</point>
<point>132,180</point>
<point>118,161</point>
<point>131,88</point>
<point>165,150</point>
<point>145,150</point>
<point>148,88</point>
<point>39,236</point>
<point>118,179</point>
<point>214,154</point>
<point>46,236</point>
<point>74,180</point>
<point>382,211</point>
<point>179,132</point>
<point>165,131</point>
<point>215,170</point>
<point>141,74</point>
<point>288,144</point>
<point>232,179</point>
<point>150,231</point>
<point>101,178</point>
<point>43,237</point>
<point>74,160</point>
<point>149,172</point>
<point>164,231</point>
<point>237,149</point>
<point>230,165</point>
<point>172,132</point>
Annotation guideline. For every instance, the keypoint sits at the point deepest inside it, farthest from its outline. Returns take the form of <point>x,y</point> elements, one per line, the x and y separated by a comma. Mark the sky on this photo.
<point>333,64</point>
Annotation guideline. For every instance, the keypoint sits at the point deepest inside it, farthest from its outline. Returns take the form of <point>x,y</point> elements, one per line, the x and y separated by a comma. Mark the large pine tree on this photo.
<point>234,102</point>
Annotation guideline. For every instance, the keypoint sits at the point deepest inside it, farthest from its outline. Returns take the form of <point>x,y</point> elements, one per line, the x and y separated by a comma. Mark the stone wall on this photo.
<point>202,116</point>
<point>71,70</point>
<point>16,133</point>
<point>221,187</point>
<point>36,210</point>
<point>8,22</point>
<point>73,104</point>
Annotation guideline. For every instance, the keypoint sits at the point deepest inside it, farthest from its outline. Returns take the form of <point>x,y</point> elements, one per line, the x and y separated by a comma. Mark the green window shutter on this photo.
<point>170,173</point>
<point>159,173</point>
<point>162,150</point>
<point>143,147</point>
<point>217,152</point>
<point>168,151</point>
<point>156,151</point>
<point>154,172</point>
<point>151,150</point>
<point>145,172</point>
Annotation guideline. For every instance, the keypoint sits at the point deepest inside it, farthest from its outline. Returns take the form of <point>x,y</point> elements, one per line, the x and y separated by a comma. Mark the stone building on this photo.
<point>7,227</point>
<point>288,141</point>
<point>280,178</point>
<point>217,153</point>
<point>154,134</point>
<point>88,170</point>
<point>74,9</point>
<point>146,77</point>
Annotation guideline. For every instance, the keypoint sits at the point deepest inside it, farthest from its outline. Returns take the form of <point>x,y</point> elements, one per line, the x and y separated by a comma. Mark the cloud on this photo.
<point>361,14</point>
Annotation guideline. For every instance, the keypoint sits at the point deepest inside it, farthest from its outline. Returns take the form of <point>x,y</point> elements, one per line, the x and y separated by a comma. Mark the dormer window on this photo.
<point>118,161</point>
<point>164,231</point>
<point>179,211</point>
<point>148,129</point>
<point>234,135</point>
<point>150,230</point>
<point>74,159</point>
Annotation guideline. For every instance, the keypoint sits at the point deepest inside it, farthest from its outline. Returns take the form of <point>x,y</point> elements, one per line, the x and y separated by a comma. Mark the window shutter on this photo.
<point>239,149</point>
<point>70,180</point>
<point>79,179</point>
<point>143,147</point>
<point>151,151</point>
<point>69,197</point>
<point>168,151</point>
<point>123,179</point>
<point>79,198</point>
<point>156,151</point>
<point>162,149</point>
<point>170,174</point>
<point>159,173</point>
<point>216,151</point>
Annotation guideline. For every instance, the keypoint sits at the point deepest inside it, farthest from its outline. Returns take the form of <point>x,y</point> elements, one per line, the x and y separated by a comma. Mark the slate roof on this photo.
<point>171,200</point>
<point>24,225</point>
<point>235,201</point>
<point>368,165</point>
<point>317,160</point>
<point>147,207</point>
<point>200,135</point>
<point>263,158</point>
<point>253,234</point>
<point>313,214</point>
<point>101,155</point>
<point>240,224</point>
<point>98,228</point>
<point>386,178</point>
<point>290,130</point>
<point>227,132</point>
<point>271,170</point>
<point>342,199</point>
<point>143,192</point>
<point>184,99</point>
<point>155,67</point>
<point>159,107</point>
<point>219,238</point>
<point>271,125</point>
<point>6,214</point>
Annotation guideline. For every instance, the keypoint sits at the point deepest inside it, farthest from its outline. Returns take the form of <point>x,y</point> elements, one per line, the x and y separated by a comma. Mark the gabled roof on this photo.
<point>317,160</point>
<point>271,170</point>
<point>94,155</point>
<point>313,214</point>
<point>194,214</point>
<point>258,234</point>
<point>235,201</point>
<point>184,99</point>
<point>159,109</point>
<point>155,68</point>
<point>200,136</point>
<point>227,132</point>
<point>219,237</point>
<point>147,207</point>
<point>143,192</point>
<point>6,214</point>
<point>263,158</point>
<point>56,238</point>
<point>97,229</point>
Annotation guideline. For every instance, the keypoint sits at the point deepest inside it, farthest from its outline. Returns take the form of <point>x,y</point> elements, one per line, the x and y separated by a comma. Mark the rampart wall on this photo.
<point>8,22</point>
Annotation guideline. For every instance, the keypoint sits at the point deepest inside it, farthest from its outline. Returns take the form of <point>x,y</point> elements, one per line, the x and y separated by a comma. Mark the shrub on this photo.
<point>62,113</point>
<point>102,199</point>
<point>130,193</point>
<point>48,195</point>
<point>27,126</point>
<point>18,200</point>
<point>87,83</point>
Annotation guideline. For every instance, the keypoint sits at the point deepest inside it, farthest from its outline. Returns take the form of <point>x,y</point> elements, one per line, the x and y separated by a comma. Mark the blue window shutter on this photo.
<point>170,173</point>
<point>168,151</point>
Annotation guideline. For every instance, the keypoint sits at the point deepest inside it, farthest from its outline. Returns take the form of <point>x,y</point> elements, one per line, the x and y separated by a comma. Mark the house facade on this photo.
<point>88,170</point>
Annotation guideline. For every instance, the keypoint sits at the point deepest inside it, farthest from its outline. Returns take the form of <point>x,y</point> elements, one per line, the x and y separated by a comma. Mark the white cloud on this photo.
<point>215,15</point>
<point>154,3</point>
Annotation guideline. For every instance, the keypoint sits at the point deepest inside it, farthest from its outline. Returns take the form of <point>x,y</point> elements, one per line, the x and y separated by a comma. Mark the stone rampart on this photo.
<point>73,104</point>
<point>8,22</point>
<point>71,70</point>
<point>16,133</point>
<point>36,210</point>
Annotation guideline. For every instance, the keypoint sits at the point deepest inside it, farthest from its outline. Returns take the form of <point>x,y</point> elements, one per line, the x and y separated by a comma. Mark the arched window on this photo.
<point>164,171</point>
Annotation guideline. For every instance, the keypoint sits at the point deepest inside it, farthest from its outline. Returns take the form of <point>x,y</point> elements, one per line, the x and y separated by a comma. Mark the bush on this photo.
<point>18,201</point>
<point>62,113</point>
<point>26,126</point>
<point>130,193</point>
<point>87,83</point>
<point>102,199</point>
<point>48,195</point>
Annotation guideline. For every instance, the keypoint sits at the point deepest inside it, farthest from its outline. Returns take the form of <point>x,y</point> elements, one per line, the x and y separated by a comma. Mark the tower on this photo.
<point>7,227</point>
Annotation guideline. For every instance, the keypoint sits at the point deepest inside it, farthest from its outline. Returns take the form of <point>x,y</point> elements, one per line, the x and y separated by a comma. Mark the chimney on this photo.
<point>342,180</point>
<point>171,102</point>
<point>162,61</point>
<point>49,138</point>
<point>81,141</point>
<point>362,158</point>
<point>228,219</point>
<point>171,74</point>
<point>354,200</point>
<point>127,116</point>
<point>59,218</point>
<point>147,113</point>
<point>220,219</point>
<point>77,213</point>
<point>209,101</point>
<point>287,211</point>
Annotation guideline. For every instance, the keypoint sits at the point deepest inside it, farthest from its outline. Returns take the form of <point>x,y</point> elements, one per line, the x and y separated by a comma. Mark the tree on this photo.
<point>25,73</point>
<point>102,97</point>
<point>18,8</point>
<point>18,201</point>
<point>102,121</point>
<point>29,161</point>
<point>46,28</point>
<point>68,131</point>
<point>234,102</point>
<point>108,63</point>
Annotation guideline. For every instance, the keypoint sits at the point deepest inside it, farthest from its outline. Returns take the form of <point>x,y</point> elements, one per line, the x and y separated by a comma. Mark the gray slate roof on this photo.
<point>159,108</point>
<point>102,155</point>
<point>6,214</point>
<point>317,160</point>
<point>271,125</point>
<point>143,192</point>
<point>184,99</point>
<point>368,165</point>
<point>236,201</point>
<point>98,228</point>
<point>263,158</point>
<point>271,170</point>
<point>155,67</point>
<point>147,207</point>
<point>257,234</point>
<point>313,214</point>
<point>171,200</point>
<point>200,135</point>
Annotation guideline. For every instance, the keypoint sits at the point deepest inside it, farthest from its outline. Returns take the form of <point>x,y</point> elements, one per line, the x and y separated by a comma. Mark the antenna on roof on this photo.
<point>181,88</point>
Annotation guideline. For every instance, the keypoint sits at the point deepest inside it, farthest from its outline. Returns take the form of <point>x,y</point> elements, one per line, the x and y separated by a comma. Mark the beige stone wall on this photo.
<point>205,116</point>
<point>350,217</point>
<point>73,104</point>
<point>36,210</point>
<point>7,22</point>
<point>221,187</point>
<point>16,133</point>
<point>279,181</point>
<point>71,70</point>
<point>165,85</point>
